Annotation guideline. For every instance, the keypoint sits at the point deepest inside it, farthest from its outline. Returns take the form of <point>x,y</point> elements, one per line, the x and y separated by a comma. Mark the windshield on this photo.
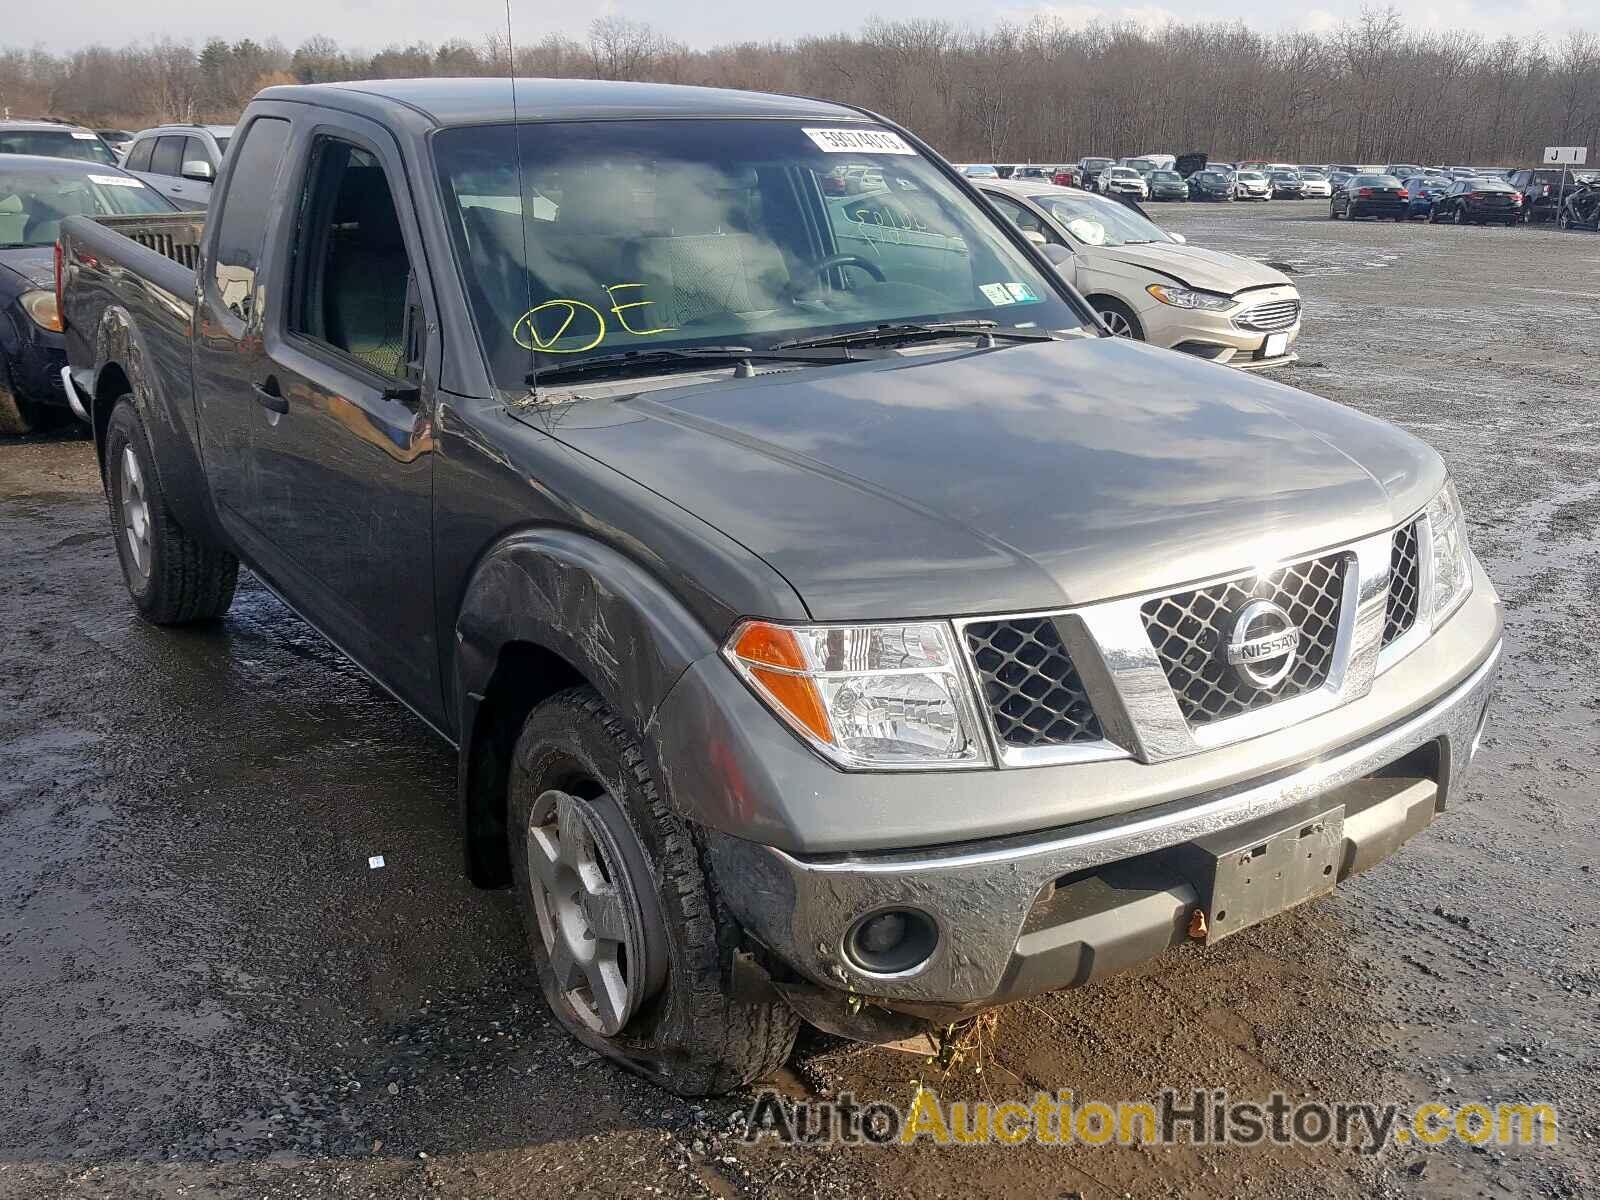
<point>1312,175</point>
<point>1251,176</point>
<point>654,234</point>
<point>57,143</point>
<point>1166,177</point>
<point>1096,222</point>
<point>33,203</point>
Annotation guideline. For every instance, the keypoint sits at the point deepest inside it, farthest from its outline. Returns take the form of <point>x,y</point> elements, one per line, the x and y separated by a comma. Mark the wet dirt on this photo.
<point>206,991</point>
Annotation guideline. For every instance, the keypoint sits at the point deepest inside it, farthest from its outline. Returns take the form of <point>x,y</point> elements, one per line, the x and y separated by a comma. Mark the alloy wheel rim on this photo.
<point>587,916</point>
<point>1117,323</point>
<point>135,512</point>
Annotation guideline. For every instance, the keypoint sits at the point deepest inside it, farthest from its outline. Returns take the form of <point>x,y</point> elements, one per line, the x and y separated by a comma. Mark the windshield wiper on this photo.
<point>882,334</point>
<point>628,360</point>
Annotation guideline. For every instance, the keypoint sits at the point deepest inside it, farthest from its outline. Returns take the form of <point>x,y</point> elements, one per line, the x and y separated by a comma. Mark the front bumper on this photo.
<point>1026,914</point>
<point>1214,336</point>
<point>33,365</point>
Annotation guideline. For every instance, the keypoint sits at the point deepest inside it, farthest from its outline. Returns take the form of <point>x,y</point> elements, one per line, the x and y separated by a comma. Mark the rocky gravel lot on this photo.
<point>205,991</point>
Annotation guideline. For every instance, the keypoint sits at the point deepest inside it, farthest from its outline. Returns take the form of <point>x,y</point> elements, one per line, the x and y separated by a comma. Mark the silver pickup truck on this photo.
<point>832,619</point>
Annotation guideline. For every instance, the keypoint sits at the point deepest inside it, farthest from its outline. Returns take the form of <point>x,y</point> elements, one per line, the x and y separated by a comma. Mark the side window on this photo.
<point>168,157</point>
<point>194,150</point>
<point>139,156</point>
<point>352,275</point>
<point>1021,217</point>
<point>242,227</point>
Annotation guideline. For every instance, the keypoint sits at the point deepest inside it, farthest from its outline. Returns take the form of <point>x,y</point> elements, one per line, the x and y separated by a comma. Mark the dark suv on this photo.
<point>1541,192</point>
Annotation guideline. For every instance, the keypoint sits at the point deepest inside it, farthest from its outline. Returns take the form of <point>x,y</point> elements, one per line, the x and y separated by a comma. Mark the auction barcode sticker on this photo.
<point>855,141</point>
<point>83,135</point>
<point>115,181</point>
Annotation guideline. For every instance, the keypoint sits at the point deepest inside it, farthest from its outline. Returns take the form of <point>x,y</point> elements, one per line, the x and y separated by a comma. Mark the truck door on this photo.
<point>342,471</point>
<point>228,352</point>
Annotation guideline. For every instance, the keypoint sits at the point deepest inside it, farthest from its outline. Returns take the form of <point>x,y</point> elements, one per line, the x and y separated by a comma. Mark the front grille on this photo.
<point>1190,630</point>
<point>1268,318</point>
<point>1405,584</point>
<point>1033,691</point>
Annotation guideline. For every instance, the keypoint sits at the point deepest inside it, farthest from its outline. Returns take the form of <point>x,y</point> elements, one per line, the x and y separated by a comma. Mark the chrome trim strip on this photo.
<point>72,397</point>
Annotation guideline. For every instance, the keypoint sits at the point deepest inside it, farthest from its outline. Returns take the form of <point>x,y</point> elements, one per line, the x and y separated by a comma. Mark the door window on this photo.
<point>168,158</point>
<point>194,150</point>
<point>1023,218</point>
<point>139,156</point>
<point>352,274</point>
<point>242,227</point>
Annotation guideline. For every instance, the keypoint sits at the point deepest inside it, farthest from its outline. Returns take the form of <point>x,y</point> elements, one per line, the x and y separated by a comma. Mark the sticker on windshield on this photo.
<point>114,181</point>
<point>1008,293</point>
<point>857,141</point>
<point>84,136</point>
<point>1021,293</point>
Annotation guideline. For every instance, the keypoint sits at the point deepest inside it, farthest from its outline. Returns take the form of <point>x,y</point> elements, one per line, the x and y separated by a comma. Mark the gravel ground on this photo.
<point>206,991</point>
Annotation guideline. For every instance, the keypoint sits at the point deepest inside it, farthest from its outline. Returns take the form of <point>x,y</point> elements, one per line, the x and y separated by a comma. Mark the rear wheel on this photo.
<point>173,577</point>
<point>1461,215</point>
<point>634,950</point>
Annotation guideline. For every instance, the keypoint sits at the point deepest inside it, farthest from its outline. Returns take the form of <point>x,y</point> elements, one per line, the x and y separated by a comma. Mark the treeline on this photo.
<point>1369,90</point>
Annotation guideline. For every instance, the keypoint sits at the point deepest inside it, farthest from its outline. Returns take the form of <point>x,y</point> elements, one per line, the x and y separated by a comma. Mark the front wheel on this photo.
<point>17,416</point>
<point>633,949</point>
<point>173,577</point>
<point>1119,318</point>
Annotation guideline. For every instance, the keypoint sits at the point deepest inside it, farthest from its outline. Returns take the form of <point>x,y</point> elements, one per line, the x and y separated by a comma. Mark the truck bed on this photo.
<point>175,236</point>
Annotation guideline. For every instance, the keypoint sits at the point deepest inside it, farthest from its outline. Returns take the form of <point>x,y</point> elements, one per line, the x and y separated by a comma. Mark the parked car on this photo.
<point>1090,170</point>
<point>1140,164</point>
<point>1478,202</point>
<point>1251,185</point>
<point>1225,168</point>
<point>35,194</point>
<point>1370,196</point>
<point>1150,285</point>
<point>1167,185</point>
<point>1066,175</point>
<point>978,171</point>
<point>118,139</point>
<point>1286,185</point>
<point>1259,167</point>
<point>54,140</point>
<point>1337,179</point>
<point>1187,164</point>
<point>1314,185</point>
<point>1345,169</point>
<point>1422,192</point>
<point>1581,209</point>
<point>866,637</point>
<point>1401,170</point>
<point>180,161</point>
<point>1123,181</point>
<point>1541,192</point>
<point>1211,185</point>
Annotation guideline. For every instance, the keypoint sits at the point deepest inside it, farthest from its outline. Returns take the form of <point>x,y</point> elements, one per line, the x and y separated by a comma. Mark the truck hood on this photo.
<point>35,266</point>
<point>1197,267</point>
<point>1024,477</point>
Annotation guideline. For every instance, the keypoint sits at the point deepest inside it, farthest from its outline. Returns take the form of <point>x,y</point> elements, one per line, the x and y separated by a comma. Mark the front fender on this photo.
<point>596,609</point>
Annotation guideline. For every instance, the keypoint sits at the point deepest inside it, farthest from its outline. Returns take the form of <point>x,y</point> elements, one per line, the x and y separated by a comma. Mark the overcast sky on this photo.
<point>372,24</point>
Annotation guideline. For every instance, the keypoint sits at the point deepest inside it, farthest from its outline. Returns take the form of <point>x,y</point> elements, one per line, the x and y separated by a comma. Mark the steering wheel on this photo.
<point>850,260</point>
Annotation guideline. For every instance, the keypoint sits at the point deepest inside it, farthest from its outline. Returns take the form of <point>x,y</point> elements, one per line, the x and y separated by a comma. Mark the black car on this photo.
<point>1167,185</point>
<point>1370,196</point>
<point>1211,185</point>
<point>1541,190</point>
<point>1478,202</point>
<point>35,194</point>
<point>1287,185</point>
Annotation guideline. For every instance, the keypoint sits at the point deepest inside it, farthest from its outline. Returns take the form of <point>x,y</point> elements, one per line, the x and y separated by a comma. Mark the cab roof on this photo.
<point>480,101</point>
<point>15,126</point>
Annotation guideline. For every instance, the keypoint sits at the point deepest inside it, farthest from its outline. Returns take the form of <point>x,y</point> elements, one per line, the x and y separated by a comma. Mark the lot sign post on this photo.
<point>1564,156</point>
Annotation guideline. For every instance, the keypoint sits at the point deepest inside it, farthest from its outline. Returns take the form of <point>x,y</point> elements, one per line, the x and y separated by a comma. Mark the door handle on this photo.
<point>268,396</point>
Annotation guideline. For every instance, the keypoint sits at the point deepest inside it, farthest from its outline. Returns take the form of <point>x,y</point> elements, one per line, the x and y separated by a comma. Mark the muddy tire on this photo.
<point>173,577</point>
<point>17,416</point>
<point>585,813</point>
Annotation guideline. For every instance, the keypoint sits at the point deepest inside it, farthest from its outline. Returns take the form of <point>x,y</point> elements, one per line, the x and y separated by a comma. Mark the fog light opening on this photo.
<point>892,941</point>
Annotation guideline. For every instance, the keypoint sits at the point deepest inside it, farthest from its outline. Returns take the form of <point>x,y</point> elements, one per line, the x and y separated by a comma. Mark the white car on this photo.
<point>1151,285</point>
<point>1123,179</point>
<point>1314,184</point>
<point>1251,185</point>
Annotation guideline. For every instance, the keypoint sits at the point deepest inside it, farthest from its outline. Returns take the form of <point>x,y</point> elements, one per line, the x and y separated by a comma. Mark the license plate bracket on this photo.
<point>1275,346</point>
<point>1253,872</point>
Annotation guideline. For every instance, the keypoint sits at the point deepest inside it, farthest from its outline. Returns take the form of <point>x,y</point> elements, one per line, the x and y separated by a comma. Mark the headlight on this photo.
<point>42,311</point>
<point>1182,297</point>
<point>1452,564</point>
<point>865,696</point>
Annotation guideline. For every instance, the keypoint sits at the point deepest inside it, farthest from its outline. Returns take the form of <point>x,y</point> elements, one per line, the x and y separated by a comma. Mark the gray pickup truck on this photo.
<point>833,621</point>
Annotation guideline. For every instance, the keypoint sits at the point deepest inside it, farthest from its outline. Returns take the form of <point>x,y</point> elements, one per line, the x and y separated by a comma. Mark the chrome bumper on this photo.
<point>73,401</point>
<point>980,895</point>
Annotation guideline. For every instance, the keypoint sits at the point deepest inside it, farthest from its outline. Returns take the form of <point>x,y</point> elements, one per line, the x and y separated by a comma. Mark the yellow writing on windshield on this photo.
<point>566,313</point>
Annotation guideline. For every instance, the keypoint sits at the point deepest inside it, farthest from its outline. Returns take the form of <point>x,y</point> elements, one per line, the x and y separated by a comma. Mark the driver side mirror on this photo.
<point>1037,238</point>
<point>199,170</point>
<point>1179,238</point>
<point>1056,253</point>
